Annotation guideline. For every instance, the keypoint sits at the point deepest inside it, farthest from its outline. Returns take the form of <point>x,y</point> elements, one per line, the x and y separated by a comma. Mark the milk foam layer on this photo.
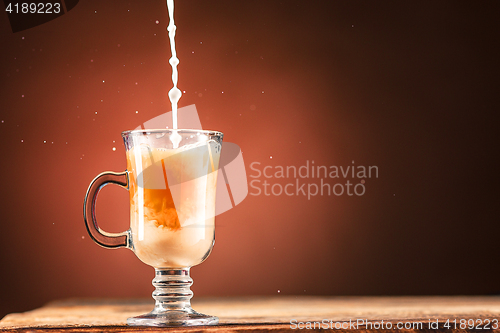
<point>172,196</point>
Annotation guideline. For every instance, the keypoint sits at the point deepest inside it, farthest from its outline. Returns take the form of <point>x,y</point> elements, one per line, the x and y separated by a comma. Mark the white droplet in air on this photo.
<point>83,237</point>
<point>114,148</point>
<point>44,141</point>
<point>22,96</point>
<point>157,21</point>
<point>96,112</point>
<point>279,291</point>
<point>136,111</point>
<point>270,157</point>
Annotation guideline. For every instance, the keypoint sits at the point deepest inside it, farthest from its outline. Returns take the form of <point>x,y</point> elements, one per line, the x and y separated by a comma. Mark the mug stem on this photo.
<point>172,302</point>
<point>173,290</point>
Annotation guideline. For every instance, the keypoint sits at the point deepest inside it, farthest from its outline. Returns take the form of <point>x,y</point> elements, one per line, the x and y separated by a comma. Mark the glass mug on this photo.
<point>171,177</point>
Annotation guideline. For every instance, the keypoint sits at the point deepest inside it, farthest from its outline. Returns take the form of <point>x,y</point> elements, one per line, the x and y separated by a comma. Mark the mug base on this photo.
<point>173,318</point>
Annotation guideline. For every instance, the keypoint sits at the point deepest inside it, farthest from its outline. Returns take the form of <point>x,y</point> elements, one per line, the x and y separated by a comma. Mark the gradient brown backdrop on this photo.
<point>408,86</point>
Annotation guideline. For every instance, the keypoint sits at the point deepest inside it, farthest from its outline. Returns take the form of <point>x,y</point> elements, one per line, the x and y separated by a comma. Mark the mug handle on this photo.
<point>101,237</point>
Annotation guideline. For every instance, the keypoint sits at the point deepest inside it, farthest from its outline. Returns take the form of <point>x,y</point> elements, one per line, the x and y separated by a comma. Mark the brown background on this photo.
<point>408,86</point>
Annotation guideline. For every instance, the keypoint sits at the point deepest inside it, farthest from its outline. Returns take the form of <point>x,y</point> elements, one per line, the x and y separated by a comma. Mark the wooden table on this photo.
<point>276,314</point>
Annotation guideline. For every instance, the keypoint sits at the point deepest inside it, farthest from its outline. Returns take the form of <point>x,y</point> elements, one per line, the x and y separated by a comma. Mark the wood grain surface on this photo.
<point>267,314</point>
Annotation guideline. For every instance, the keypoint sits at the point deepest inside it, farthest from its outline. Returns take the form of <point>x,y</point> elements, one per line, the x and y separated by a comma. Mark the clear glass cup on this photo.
<point>171,177</point>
